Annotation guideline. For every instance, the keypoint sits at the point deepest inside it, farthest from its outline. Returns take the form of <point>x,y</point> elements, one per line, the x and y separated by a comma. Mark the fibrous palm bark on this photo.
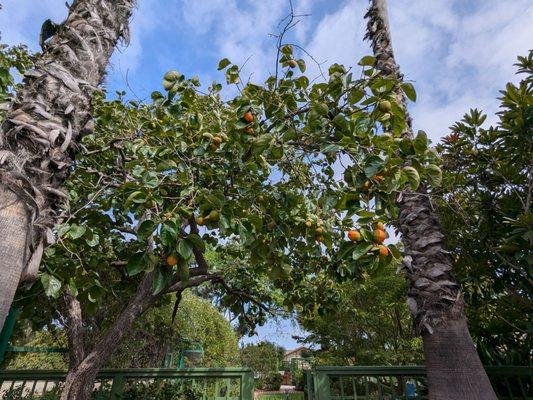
<point>38,136</point>
<point>453,366</point>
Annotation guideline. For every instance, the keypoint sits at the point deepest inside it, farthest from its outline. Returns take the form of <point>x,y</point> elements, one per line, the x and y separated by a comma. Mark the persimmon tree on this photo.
<point>251,178</point>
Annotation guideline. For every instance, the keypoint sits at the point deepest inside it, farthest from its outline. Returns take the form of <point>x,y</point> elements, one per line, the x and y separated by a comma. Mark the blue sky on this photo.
<point>458,53</point>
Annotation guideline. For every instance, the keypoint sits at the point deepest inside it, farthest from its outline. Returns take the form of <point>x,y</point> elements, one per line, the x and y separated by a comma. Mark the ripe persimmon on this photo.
<point>319,230</point>
<point>383,251</point>
<point>380,235</point>
<point>200,221</point>
<point>217,140</point>
<point>293,63</point>
<point>248,117</point>
<point>171,260</point>
<point>354,235</point>
<point>366,185</point>
<point>308,223</point>
<point>378,178</point>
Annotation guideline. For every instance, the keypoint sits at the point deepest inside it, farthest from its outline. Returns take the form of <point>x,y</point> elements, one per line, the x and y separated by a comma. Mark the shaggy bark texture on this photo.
<point>434,298</point>
<point>38,137</point>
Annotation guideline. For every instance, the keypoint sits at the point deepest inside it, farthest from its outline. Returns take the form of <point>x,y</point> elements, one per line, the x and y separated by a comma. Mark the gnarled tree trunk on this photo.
<point>38,137</point>
<point>82,372</point>
<point>453,366</point>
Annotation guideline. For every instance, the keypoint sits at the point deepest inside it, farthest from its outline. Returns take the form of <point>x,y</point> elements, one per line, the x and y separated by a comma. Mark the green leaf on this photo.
<point>159,282</point>
<point>77,231</point>
<point>287,50</point>
<point>94,240</point>
<point>168,234</point>
<point>73,288</point>
<point>360,250</point>
<point>197,241</point>
<point>367,61</point>
<point>409,91</point>
<point>51,285</point>
<point>434,174</point>
<point>137,263</point>
<point>185,249</point>
<point>373,164</point>
<point>146,229</point>
<point>62,230</point>
<point>412,176</point>
<point>420,143</point>
<point>131,198</point>
<point>223,63</point>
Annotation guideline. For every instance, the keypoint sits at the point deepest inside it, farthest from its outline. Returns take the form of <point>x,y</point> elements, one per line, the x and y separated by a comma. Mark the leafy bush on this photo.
<point>282,396</point>
<point>298,379</point>
<point>162,390</point>
<point>270,381</point>
<point>159,390</point>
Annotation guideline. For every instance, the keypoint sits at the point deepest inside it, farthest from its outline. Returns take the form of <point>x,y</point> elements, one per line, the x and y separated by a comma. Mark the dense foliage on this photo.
<point>197,323</point>
<point>253,180</point>
<point>486,209</point>
<point>262,358</point>
<point>370,325</point>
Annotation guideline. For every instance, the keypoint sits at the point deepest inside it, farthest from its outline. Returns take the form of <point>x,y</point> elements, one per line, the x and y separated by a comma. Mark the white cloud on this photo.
<point>241,30</point>
<point>338,37</point>
<point>458,59</point>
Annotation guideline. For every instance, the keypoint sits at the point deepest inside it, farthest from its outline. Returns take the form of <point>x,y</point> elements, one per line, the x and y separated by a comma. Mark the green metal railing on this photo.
<point>403,382</point>
<point>214,384</point>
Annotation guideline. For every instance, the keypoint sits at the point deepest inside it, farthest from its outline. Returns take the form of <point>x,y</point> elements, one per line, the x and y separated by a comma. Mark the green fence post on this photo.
<point>247,386</point>
<point>118,387</point>
<point>309,385</point>
<point>7,331</point>
<point>321,385</point>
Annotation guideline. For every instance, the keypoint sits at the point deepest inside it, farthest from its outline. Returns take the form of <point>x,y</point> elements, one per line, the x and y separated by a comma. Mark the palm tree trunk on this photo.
<point>38,137</point>
<point>454,369</point>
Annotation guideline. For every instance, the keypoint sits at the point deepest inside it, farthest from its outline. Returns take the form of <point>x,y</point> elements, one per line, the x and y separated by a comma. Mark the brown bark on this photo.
<point>453,366</point>
<point>74,327</point>
<point>79,382</point>
<point>38,136</point>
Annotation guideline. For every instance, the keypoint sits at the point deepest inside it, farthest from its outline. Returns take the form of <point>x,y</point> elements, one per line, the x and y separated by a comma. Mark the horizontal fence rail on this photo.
<point>195,384</point>
<point>403,382</point>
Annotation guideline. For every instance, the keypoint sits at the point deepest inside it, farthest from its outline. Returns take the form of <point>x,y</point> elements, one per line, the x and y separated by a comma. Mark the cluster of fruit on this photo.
<point>379,236</point>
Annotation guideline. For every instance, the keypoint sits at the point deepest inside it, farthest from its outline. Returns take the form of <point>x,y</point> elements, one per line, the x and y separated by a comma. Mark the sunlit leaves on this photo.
<point>51,285</point>
<point>409,90</point>
<point>412,176</point>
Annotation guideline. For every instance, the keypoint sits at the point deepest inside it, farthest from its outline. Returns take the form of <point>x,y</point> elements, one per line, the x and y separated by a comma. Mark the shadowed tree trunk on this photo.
<point>38,137</point>
<point>82,372</point>
<point>453,366</point>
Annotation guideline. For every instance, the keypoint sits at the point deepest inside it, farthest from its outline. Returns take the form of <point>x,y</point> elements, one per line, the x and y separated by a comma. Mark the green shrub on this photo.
<point>270,381</point>
<point>298,379</point>
<point>159,390</point>
<point>162,390</point>
<point>282,396</point>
